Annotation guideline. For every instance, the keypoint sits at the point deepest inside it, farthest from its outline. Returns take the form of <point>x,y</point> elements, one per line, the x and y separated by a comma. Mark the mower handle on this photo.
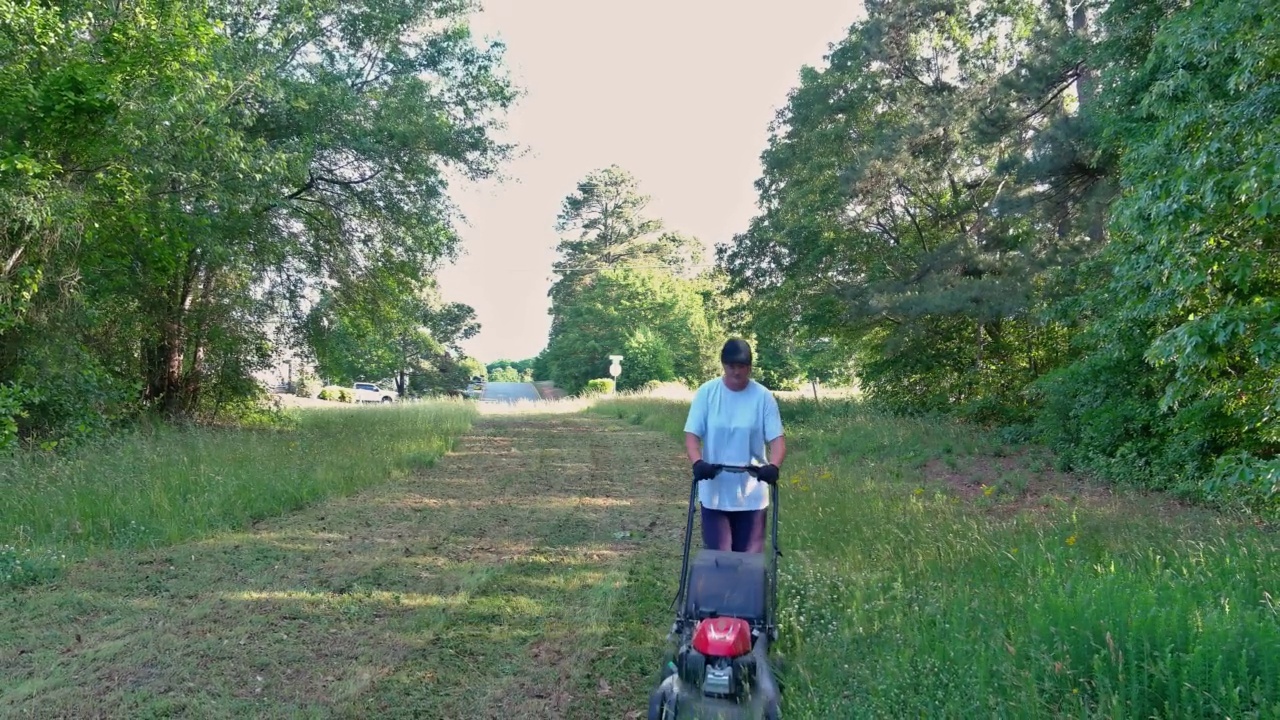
<point>751,470</point>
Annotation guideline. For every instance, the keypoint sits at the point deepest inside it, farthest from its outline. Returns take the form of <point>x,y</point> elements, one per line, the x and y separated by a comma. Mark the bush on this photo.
<point>599,386</point>
<point>338,394</point>
<point>65,396</point>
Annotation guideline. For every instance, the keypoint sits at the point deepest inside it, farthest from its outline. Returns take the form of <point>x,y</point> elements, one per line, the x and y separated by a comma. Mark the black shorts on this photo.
<point>736,530</point>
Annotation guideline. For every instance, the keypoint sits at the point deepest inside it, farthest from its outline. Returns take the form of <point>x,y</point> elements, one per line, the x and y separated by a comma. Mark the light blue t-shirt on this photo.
<point>735,428</point>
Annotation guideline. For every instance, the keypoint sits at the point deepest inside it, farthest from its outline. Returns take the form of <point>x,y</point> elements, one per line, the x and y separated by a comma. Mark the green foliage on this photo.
<point>605,316</point>
<point>20,567</point>
<point>511,370</point>
<point>1179,380</point>
<point>624,288</point>
<point>1055,218</point>
<point>176,181</point>
<point>307,385</point>
<point>518,365</point>
<point>388,328</point>
<point>337,393</point>
<point>599,386</point>
<point>443,376</point>
<point>472,366</point>
<point>648,358</point>
<point>12,402</point>
<point>896,214</point>
<point>607,211</point>
<point>504,373</point>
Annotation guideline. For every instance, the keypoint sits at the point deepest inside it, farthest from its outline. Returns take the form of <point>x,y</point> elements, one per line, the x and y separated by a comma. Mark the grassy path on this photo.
<point>525,575</point>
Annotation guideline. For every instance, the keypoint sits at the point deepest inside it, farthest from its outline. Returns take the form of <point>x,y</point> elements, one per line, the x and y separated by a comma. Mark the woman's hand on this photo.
<point>768,473</point>
<point>703,470</point>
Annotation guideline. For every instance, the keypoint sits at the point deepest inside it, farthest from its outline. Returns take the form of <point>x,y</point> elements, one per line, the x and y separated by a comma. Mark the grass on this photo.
<point>169,484</point>
<point>526,574</point>
<point>931,571</point>
<point>343,568</point>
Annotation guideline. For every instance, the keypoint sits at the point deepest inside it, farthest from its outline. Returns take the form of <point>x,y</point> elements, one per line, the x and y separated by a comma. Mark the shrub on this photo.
<point>338,394</point>
<point>599,386</point>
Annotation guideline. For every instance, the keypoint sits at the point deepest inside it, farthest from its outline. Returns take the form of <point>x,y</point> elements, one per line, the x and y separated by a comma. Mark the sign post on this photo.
<point>616,368</point>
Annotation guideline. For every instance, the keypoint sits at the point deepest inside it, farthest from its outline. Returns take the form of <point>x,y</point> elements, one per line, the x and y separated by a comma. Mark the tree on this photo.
<point>504,373</point>
<point>171,175</point>
<point>393,332</point>
<point>519,367</point>
<point>1179,378</point>
<point>897,203</point>
<point>660,316</point>
<point>648,358</point>
<point>606,210</point>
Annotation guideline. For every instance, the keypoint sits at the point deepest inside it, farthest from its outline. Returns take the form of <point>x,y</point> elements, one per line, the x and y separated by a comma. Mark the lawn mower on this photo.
<point>717,667</point>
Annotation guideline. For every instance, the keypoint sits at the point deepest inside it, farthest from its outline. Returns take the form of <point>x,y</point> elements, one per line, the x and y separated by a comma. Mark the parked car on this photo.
<point>371,392</point>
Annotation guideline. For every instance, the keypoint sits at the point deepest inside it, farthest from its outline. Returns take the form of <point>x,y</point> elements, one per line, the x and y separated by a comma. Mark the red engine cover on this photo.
<point>723,637</point>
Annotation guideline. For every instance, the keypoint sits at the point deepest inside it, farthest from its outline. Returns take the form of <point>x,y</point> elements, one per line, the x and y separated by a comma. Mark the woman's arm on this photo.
<point>693,446</point>
<point>777,450</point>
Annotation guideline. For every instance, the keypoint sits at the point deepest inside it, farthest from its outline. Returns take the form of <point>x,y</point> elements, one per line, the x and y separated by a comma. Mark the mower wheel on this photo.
<point>662,706</point>
<point>771,712</point>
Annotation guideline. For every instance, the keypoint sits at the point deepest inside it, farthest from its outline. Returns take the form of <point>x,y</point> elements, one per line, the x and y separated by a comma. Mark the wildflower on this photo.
<point>988,489</point>
<point>918,492</point>
<point>1071,540</point>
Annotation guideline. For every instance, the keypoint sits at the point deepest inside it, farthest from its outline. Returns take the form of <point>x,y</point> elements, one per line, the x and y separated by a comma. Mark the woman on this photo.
<point>730,422</point>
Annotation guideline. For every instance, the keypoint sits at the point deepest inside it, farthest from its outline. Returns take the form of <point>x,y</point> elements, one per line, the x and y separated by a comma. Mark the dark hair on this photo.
<point>736,352</point>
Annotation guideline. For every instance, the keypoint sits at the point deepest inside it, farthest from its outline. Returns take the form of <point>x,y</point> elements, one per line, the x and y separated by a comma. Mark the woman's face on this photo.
<point>736,375</point>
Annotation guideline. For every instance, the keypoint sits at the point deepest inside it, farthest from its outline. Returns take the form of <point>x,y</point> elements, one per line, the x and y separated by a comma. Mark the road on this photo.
<point>509,392</point>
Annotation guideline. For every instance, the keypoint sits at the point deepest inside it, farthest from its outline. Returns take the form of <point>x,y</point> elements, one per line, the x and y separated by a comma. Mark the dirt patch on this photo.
<point>1008,484</point>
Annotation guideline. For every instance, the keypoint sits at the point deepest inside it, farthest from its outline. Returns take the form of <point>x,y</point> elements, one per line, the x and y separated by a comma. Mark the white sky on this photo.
<point>678,92</point>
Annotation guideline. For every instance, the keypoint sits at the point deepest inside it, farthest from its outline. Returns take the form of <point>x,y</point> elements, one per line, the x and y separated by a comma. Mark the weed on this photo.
<point>21,566</point>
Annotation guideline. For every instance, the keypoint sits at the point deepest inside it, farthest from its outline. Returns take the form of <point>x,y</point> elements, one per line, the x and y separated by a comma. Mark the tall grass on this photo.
<point>170,484</point>
<point>901,600</point>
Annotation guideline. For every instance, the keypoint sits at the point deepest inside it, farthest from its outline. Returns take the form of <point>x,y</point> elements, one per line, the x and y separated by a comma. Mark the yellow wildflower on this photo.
<point>1071,540</point>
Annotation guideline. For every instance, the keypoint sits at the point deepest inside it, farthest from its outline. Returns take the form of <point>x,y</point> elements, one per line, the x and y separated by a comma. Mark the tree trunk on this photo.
<point>814,383</point>
<point>192,380</point>
<point>1085,81</point>
<point>165,357</point>
<point>162,360</point>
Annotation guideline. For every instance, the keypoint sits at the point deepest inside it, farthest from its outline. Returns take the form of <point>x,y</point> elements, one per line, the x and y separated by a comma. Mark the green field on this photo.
<point>346,566</point>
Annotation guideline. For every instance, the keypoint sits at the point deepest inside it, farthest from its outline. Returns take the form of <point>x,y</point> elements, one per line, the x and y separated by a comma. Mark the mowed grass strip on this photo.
<point>492,585</point>
<point>562,530</point>
<point>931,571</point>
<point>173,484</point>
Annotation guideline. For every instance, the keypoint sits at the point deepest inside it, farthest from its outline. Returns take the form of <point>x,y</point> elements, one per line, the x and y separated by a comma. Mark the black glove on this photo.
<point>768,473</point>
<point>703,470</point>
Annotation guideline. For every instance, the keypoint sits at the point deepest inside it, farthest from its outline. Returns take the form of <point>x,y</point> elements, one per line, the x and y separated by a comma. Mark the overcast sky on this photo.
<point>678,92</point>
